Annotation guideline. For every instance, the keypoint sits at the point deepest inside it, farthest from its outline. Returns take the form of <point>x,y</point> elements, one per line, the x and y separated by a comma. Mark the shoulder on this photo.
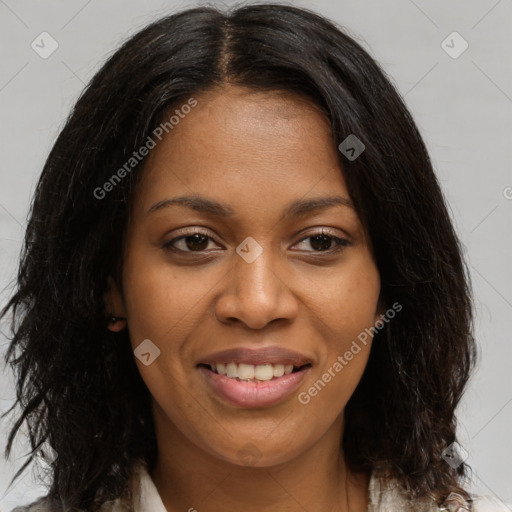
<point>46,504</point>
<point>138,477</point>
<point>43,504</point>
<point>386,495</point>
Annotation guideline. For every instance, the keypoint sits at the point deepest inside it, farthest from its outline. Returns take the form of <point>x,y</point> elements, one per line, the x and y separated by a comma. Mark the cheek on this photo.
<point>349,314</point>
<point>348,298</point>
<point>161,298</point>
<point>163,305</point>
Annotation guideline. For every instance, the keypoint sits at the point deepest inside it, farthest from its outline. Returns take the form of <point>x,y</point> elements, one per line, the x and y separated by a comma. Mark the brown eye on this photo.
<point>189,242</point>
<point>196,242</point>
<point>322,242</point>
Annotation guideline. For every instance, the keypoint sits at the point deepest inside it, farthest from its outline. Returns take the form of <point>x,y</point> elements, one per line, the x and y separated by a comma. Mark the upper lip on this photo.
<point>261,356</point>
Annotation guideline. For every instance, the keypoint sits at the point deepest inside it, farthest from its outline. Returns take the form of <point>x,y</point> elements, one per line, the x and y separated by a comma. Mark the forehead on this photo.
<point>243,143</point>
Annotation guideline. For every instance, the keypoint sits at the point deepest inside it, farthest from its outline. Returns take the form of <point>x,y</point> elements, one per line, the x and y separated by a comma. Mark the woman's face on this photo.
<point>259,275</point>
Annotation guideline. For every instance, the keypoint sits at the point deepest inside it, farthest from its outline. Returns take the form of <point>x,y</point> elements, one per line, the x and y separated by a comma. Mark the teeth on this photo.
<point>244,371</point>
<point>264,372</point>
<point>247,371</point>
<point>232,370</point>
<point>279,370</point>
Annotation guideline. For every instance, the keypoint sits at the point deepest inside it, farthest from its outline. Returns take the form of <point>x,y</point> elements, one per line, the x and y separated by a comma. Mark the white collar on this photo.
<point>145,493</point>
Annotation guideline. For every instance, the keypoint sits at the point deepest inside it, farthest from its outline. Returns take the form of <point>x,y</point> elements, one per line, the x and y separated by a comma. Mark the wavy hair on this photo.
<point>77,383</point>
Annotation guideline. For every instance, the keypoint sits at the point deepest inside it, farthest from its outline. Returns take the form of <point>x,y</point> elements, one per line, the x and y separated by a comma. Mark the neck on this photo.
<point>189,478</point>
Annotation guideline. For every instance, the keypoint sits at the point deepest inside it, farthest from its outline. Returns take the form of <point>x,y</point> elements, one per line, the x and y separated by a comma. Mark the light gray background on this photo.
<point>463,108</point>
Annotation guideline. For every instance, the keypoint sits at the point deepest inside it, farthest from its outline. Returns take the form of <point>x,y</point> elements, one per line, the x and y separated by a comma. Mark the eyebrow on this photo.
<point>296,209</point>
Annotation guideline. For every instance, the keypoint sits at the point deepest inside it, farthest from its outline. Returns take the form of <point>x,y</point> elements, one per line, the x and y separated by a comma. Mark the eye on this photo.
<point>192,241</point>
<point>321,242</point>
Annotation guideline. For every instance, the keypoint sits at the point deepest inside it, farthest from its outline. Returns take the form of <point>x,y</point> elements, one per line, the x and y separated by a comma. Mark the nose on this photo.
<point>256,293</point>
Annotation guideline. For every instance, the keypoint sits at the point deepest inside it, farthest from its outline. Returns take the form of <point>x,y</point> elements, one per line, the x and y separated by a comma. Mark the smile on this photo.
<point>250,372</point>
<point>250,386</point>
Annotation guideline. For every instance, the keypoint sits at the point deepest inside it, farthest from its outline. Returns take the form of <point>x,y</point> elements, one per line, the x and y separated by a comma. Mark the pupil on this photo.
<point>324,244</point>
<point>196,242</point>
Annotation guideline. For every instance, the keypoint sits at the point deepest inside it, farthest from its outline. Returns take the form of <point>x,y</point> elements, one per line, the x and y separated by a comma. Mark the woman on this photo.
<point>311,354</point>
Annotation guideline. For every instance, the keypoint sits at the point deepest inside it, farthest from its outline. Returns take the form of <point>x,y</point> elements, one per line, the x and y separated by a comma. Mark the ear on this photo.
<point>114,306</point>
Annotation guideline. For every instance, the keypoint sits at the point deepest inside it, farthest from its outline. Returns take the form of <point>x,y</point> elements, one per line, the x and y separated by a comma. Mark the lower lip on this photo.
<point>254,394</point>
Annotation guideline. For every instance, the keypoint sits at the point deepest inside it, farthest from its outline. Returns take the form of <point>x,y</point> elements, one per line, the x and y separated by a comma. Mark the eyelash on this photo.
<point>341,243</point>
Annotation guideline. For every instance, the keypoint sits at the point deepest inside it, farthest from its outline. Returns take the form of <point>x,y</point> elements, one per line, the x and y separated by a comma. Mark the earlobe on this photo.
<point>116,324</point>
<point>114,307</point>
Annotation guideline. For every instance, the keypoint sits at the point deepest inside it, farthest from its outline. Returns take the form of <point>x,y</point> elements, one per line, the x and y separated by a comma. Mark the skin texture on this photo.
<point>255,152</point>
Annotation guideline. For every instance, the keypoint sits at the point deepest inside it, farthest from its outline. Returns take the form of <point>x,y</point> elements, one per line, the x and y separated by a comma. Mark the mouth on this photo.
<point>253,373</point>
<point>250,386</point>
